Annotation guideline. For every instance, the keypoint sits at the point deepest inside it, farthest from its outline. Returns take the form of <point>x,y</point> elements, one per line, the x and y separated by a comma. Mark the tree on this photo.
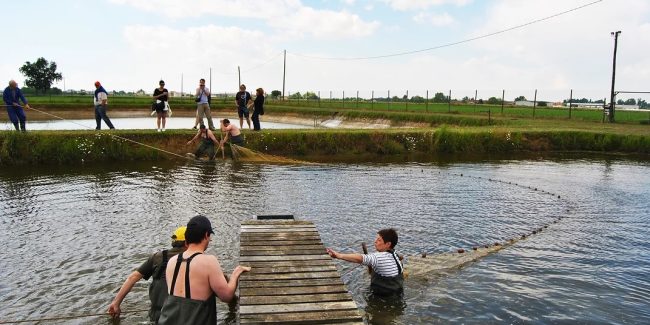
<point>276,93</point>
<point>520,98</point>
<point>417,99</point>
<point>493,101</point>
<point>439,98</point>
<point>40,74</point>
<point>295,96</point>
<point>310,95</point>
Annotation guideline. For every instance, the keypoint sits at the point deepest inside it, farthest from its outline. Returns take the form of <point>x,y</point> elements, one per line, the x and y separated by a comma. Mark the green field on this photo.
<point>482,111</point>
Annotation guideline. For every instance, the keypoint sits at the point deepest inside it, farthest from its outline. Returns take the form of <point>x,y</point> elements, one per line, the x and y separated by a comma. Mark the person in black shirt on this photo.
<point>242,100</point>
<point>258,108</point>
<point>160,97</point>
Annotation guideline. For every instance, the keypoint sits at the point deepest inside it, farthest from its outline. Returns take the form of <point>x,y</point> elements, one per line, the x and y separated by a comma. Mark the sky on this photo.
<point>336,46</point>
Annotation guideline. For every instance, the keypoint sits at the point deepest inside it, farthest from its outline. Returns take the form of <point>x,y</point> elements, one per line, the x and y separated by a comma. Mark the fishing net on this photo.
<point>424,267</point>
<point>248,155</point>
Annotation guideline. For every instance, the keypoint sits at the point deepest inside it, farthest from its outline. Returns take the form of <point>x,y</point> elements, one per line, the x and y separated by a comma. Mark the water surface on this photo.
<point>71,236</point>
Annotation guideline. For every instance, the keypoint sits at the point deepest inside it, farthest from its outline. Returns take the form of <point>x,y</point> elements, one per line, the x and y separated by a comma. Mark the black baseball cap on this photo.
<point>199,223</point>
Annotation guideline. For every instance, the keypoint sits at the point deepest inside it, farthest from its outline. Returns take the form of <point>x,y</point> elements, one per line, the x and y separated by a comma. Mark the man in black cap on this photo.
<point>192,290</point>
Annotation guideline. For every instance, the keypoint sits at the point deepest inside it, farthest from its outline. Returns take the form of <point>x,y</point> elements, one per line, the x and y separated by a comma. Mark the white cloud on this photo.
<point>443,19</point>
<point>407,5</point>
<point>289,16</point>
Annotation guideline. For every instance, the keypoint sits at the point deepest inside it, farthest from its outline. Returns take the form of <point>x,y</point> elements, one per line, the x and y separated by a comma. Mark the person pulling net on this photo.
<point>239,152</point>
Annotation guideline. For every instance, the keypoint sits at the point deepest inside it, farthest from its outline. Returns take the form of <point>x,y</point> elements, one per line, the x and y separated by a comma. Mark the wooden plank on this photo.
<point>275,230</point>
<point>284,258</point>
<point>266,264</point>
<point>269,226</point>
<point>278,248</point>
<point>290,269</point>
<point>283,252</point>
<point>338,317</point>
<point>249,243</point>
<point>276,222</point>
<point>290,276</point>
<point>302,286</point>
<point>266,300</point>
<point>296,308</point>
<point>280,234</point>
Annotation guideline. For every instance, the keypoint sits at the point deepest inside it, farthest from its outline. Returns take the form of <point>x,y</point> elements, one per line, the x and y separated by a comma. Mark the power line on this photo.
<point>453,43</point>
<point>264,63</point>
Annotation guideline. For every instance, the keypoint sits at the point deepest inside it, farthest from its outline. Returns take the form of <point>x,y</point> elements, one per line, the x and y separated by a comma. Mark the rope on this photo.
<point>112,135</point>
<point>54,318</point>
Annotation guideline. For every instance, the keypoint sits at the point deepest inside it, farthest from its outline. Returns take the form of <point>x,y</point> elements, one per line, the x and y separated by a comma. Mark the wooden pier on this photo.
<point>292,280</point>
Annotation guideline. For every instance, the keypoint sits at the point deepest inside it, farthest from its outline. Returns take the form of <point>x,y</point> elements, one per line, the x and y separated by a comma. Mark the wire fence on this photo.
<point>507,103</point>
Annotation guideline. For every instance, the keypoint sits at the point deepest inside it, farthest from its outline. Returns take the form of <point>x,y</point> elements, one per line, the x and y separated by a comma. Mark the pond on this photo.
<point>136,123</point>
<point>71,236</point>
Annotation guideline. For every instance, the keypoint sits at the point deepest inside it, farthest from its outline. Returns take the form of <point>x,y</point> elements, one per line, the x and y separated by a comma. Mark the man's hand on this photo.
<point>114,310</point>
<point>332,253</point>
<point>27,106</point>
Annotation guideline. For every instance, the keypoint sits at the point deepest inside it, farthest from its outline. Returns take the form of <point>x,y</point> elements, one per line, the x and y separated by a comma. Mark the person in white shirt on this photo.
<point>387,276</point>
<point>203,105</point>
<point>101,101</point>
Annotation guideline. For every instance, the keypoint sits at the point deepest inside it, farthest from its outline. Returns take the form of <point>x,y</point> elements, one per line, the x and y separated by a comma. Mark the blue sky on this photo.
<point>130,44</point>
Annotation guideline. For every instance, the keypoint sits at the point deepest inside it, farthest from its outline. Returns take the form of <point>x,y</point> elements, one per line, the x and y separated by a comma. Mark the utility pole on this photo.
<point>284,72</point>
<point>239,74</point>
<point>612,100</point>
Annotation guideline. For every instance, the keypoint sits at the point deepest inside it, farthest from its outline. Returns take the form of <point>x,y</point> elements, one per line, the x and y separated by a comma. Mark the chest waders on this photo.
<point>386,285</point>
<point>185,310</point>
<point>158,288</point>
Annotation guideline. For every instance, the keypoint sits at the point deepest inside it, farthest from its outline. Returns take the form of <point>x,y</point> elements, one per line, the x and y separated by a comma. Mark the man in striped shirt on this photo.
<point>387,276</point>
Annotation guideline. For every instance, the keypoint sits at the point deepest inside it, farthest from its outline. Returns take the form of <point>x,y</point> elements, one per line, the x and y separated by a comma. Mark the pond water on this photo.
<point>137,123</point>
<point>72,235</point>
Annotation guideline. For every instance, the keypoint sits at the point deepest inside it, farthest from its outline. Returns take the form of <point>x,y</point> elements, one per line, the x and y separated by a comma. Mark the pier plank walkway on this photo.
<point>292,279</point>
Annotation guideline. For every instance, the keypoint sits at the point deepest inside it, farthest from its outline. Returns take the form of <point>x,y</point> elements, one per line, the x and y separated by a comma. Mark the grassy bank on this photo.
<point>75,147</point>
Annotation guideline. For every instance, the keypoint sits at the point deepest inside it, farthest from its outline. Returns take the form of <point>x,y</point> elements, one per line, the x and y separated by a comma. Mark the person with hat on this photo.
<point>154,267</point>
<point>12,97</point>
<point>160,97</point>
<point>193,290</point>
<point>101,101</point>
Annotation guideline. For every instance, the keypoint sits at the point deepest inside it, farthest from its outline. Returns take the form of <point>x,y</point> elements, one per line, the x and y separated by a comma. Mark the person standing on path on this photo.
<point>101,101</point>
<point>202,98</point>
<point>160,97</point>
<point>193,291</point>
<point>258,108</point>
<point>242,100</point>
<point>12,97</point>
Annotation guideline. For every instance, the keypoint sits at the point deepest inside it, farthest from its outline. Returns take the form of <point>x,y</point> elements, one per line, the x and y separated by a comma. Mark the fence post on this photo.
<point>372,102</point>
<point>426,107</point>
<point>389,100</point>
<point>475,99</point>
<point>534,103</point>
<point>503,95</point>
<point>449,102</point>
<point>570,100</point>
<point>319,99</point>
<point>330,98</point>
<point>357,99</point>
<point>406,108</point>
<point>344,99</point>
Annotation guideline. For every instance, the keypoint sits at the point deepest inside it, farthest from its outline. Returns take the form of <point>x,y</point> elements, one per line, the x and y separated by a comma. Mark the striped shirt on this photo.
<point>383,263</point>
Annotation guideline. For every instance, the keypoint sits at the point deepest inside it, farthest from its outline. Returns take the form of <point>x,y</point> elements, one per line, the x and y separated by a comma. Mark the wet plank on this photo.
<point>293,280</point>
